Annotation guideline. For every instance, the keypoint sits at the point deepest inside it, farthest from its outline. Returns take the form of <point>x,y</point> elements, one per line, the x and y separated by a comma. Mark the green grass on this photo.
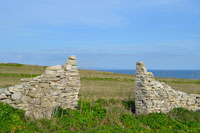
<point>19,75</point>
<point>100,116</point>
<point>11,64</point>
<point>106,105</point>
<point>182,81</point>
<point>106,79</point>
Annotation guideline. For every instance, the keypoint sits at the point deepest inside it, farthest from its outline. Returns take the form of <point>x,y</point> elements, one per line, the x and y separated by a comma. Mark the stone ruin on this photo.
<point>59,86</point>
<point>39,96</point>
<point>156,97</point>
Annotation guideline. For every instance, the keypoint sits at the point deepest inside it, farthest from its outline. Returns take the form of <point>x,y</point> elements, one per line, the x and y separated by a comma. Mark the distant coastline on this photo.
<point>185,74</point>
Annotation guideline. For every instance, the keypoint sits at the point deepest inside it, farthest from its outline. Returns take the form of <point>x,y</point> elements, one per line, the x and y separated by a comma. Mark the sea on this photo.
<point>185,74</point>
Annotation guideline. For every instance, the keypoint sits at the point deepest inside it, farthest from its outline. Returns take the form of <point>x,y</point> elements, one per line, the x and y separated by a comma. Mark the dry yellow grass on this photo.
<point>10,74</point>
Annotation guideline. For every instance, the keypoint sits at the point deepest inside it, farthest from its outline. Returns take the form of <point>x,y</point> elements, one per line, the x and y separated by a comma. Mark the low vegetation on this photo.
<point>106,105</point>
<point>100,116</point>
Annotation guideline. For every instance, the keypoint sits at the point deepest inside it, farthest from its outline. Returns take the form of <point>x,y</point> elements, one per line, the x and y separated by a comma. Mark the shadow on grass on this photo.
<point>130,105</point>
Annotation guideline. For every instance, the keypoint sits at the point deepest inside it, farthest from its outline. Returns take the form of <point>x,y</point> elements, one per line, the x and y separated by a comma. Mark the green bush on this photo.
<point>88,116</point>
<point>132,124</point>
<point>94,117</point>
<point>185,115</point>
<point>11,120</point>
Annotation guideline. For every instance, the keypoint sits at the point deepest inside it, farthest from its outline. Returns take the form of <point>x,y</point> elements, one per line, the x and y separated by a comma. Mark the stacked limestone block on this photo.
<point>156,97</point>
<point>39,96</point>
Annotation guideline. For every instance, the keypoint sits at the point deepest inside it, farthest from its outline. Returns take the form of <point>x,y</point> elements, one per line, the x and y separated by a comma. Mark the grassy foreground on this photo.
<point>106,105</point>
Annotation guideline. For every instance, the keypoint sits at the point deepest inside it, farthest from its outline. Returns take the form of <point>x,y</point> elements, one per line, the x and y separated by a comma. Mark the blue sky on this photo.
<point>103,34</point>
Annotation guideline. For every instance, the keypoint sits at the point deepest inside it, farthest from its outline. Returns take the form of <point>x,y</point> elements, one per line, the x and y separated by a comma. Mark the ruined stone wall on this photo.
<point>156,97</point>
<point>39,96</point>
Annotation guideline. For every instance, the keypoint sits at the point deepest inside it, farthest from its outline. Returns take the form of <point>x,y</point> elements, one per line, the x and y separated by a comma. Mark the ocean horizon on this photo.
<point>185,74</point>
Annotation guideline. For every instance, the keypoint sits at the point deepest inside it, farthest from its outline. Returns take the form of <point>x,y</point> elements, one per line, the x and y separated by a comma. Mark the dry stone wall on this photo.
<point>39,96</point>
<point>156,97</point>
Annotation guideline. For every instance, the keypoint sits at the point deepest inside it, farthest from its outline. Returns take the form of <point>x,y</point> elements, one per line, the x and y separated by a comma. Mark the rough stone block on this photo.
<point>16,96</point>
<point>54,68</point>
<point>3,96</point>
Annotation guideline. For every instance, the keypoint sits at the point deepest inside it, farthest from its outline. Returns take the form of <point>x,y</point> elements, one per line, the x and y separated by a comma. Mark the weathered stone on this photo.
<point>73,62</point>
<point>16,96</point>
<point>19,86</point>
<point>8,101</point>
<point>23,106</point>
<point>54,68</point>
<point>38,95</point>
<point>25,80</point>
<point>3,90</point>
<point>72,74</point>
<point>32,92</point>
<point>16,88</point>
<point>11,89</point>
<point>73,57</point>
<point>56,93</point>
<point>50,72</point>
<point>154,97</point>
<point>44,85</point>
<point>7,93</point>
<point>68,67</point>
<point>3,96</point>
<point>46,103</point>
<point>25,99</point>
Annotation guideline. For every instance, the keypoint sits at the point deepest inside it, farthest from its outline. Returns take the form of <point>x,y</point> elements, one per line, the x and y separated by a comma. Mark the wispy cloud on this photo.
<point>107,33</point>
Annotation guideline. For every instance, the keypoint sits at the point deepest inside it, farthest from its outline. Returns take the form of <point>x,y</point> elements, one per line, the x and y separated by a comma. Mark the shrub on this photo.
<point>95,117</point>
<point>185,115</point>
<point>11,119</point>
<point>88,116</point>
<point>162,122</point>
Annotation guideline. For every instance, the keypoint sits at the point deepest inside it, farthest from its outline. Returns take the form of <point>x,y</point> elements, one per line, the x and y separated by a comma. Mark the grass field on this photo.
<point>106,105</point>
<point>94,84</point>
